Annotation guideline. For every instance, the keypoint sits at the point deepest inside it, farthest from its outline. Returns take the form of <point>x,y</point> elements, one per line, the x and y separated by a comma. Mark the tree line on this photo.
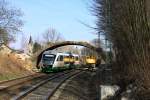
<point>126,24</point>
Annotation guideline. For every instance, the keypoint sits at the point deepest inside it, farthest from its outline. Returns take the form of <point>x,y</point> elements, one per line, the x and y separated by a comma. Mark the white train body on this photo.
<point>56,61</point>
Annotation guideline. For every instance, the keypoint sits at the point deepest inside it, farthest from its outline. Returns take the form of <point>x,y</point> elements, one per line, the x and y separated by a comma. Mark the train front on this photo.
<point>47,62</point>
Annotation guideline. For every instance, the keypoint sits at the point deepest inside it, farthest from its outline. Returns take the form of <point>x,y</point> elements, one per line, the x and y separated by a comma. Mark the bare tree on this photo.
<point>10,21</point>
<point>125,24</point>
<point>52,36</point>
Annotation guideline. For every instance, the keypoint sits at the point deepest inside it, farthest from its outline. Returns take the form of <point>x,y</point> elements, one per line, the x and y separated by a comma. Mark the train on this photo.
<point>54,62</point>
<point>89,61</point>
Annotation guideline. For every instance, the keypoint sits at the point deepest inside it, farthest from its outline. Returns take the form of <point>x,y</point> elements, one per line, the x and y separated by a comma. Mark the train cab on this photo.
<point>91,60</point>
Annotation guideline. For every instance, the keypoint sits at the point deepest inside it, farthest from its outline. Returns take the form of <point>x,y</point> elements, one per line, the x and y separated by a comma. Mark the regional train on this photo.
<point>54,62</point>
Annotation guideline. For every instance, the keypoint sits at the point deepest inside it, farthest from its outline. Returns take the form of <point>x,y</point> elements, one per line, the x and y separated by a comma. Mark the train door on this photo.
<point>76,59</point>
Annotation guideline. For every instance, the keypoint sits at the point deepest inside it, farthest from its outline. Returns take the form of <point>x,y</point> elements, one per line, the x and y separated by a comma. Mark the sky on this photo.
<point>62,15</point>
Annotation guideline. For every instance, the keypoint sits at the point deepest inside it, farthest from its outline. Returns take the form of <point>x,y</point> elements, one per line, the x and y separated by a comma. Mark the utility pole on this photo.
<point>106,49</point>
<point>99,43</point>
<point>99,39</point>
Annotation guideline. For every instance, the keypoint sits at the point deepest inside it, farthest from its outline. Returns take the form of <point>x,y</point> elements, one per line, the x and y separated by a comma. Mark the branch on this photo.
<point>87,25</point>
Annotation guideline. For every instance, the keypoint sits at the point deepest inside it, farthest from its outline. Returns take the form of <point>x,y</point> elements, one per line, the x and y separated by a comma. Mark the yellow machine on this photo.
<point>91,60</point>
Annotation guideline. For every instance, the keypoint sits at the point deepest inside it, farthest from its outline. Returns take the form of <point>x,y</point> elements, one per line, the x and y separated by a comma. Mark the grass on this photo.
<point>9,77</point>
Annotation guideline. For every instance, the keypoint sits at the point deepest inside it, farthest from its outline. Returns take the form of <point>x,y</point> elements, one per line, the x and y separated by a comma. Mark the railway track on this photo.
<point>7,83</point>
<point>37,88</point>
<point>12,87</point>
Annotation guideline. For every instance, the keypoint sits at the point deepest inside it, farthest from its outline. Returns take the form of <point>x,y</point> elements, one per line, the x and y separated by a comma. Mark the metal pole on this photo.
<point>106,50</point>
<point>99,34</point>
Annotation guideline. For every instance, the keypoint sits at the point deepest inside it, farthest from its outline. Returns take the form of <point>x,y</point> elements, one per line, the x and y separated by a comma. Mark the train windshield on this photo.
<point>48,59</point>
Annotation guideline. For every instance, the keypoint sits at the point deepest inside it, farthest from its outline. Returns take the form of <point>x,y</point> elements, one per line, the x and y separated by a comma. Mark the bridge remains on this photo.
<point>64,43</point>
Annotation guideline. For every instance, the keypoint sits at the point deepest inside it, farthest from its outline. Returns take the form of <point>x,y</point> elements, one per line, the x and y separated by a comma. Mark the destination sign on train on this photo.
<point>49,55</point>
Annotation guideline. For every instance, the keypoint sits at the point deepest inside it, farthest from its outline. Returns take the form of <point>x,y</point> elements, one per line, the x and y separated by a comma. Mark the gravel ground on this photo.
<point>80,87</point>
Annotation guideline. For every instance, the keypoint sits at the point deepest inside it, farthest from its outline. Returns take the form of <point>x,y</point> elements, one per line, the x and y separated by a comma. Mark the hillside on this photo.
<point>13,64</point>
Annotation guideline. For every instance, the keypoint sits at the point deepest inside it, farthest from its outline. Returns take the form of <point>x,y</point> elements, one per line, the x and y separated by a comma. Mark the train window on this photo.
<point>48,57</point>
<point>77,58</point>
<point>60,58</point>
